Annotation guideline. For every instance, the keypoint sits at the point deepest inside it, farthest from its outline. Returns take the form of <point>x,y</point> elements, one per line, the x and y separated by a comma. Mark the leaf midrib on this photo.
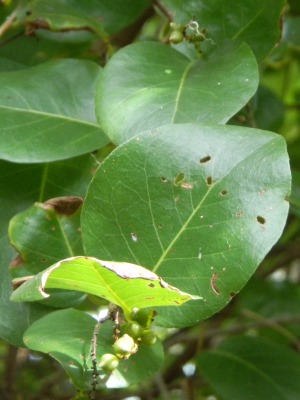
<point>50,115</point>
<point>180,89</point>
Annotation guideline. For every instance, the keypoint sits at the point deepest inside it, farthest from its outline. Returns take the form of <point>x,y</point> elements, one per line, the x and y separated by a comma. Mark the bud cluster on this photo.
<point>134,332</point>
<point>189,32</point>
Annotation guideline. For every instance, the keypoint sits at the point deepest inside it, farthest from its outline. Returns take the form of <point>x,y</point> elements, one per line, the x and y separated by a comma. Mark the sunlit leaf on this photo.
<point>126,285</point>
<point>148,84</point>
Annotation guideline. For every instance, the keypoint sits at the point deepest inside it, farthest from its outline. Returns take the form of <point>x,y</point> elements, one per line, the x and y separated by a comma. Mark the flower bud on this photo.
<point>124,346</point>
<point>108,362</point>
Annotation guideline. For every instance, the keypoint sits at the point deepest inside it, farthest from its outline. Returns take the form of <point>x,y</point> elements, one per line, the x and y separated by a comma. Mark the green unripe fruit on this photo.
<point>125,346</point>
<point>109,362</point>
<point>140,315</point>
<point>176,37</point>
<point>149,337</point>
<point>132,329</point>
<point>176,27</point>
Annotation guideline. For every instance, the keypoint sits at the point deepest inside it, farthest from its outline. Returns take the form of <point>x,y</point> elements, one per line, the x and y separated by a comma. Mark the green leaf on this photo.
<point>20,186</point>
<point>67,335</point>
<point>47,112</point>
<point>247,368</point>
<point>102,17</point>
<point>9,65</point>
<point>295,195</point>
<point>255,22</point>
<point>147,84</point>
<point>206,235</point>
<point>44,234</point>
<point>124,284</point>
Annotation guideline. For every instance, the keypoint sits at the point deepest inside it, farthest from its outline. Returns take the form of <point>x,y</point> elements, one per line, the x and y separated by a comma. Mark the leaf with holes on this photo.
<point>47,112</point>
<point>66,335</point>
<point>146,85</point>
<point>254,22</point>
<point>245,360</point>
<point>124,284</point>
<point>200,206</point>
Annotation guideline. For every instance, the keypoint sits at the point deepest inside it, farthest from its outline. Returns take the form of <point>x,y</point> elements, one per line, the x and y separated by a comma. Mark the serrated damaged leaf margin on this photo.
<point>125,271</point>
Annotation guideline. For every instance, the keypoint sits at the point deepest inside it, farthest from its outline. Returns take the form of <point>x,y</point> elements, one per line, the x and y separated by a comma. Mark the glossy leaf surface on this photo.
<point>254,22</point>
<point>67,335</point>
<point>47,112</point>
<point>248,368</point>
<point>126,285</point>
<point>148,84</point>
<point>200,206</point>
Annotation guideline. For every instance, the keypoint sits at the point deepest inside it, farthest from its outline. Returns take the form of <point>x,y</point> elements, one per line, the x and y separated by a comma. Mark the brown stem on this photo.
<point>10,371</point>
<point>163,9</point>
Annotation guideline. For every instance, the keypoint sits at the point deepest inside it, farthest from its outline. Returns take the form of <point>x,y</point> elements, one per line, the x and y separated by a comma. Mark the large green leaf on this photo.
<point>67,335</point>
<point>148,84</point>
<point>200,206</point>
<point>124,284</point>
<point>98,15</point>
<point>256,22</point>
<point>47,112</point>
<point>20,186</point>
<point>247,368</point>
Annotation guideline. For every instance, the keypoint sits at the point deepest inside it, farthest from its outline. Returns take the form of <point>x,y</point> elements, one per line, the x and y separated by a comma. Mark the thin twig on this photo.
<point>273,324</point>
<point>163,9</point>
<point>8,23</point>
<point>92,394</point>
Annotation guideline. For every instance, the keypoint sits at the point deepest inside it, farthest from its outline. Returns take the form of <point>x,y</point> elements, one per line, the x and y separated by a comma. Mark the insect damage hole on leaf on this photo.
<point>224,192</point>
<point>178,181</point>
<point>134,237</point>
<point>209,180</point>
<point>200,253</point>
<point>261,220</point>
<point>205,159</point>
<point>164,179</point>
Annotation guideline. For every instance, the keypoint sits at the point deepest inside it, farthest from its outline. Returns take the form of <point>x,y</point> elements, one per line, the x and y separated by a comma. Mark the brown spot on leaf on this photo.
<point>17,262</point>
<point>66,205</point>
<point>151,285</point>
<point>213,283</point>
